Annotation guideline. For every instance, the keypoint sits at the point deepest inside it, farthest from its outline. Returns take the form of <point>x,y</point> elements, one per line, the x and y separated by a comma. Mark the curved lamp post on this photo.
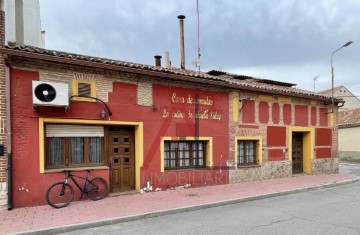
<point>332,76</point>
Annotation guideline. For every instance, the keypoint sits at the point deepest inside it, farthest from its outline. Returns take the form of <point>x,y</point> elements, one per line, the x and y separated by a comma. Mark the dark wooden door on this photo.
<point>297,152</point>
<point>122,159</point>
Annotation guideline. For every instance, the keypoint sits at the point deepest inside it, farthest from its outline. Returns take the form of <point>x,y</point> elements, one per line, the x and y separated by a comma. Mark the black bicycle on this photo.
<point>60,194</point>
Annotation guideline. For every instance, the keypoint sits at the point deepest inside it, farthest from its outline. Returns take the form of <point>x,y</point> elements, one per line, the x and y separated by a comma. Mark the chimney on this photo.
<point>167,59</point>
<point>182,44</point>
<point>157,60</point>
<point>19,22</point>
<point>42,38</point>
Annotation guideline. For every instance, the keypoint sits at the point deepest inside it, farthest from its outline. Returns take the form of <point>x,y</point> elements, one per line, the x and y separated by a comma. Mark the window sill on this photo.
<point>76,169</point>
<point>187,169</point>
<point>83,99</point>
<point>248,166</point>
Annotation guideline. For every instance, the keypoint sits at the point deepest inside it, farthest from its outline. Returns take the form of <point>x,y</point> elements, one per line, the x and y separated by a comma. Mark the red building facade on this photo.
<point>137,125</point>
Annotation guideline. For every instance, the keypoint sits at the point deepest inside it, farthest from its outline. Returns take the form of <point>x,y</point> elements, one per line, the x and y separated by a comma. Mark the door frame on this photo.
<point>308,145</point>
<point>139,140</point>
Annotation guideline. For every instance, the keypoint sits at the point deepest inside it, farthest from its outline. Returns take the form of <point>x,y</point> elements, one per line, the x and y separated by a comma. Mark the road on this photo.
<point>327,211</point>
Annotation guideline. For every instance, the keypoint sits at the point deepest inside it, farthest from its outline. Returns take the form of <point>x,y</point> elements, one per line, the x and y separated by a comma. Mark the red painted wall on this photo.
<point>276,136</point>
<point>276,155</point>
<point>323,153</point>
<point>324,113</point>
<point>287,114</point>
<point>301,115</point>
<point>275,113</point>
<point>323,136</point>
<point>248,112</point>
<point>263,112</point>
<point>313,116</point>
<point>29,186</point>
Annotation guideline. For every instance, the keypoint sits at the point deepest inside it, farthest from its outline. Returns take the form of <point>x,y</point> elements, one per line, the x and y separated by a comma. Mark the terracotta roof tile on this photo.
<point>240,81</point>
<point>349,118</point>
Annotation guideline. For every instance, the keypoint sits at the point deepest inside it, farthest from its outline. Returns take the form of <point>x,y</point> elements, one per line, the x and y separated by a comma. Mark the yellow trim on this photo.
<point>313,103</point>
<point>332,120</point>
<point>41,145</point>
<point>258,150</point>
<point>235,105</point>
<point>139,140</point>
<point>209,150</point>
<point>75,90</point>
<point>266,97</point>
<point>284,99</point>
<point>308,145</point>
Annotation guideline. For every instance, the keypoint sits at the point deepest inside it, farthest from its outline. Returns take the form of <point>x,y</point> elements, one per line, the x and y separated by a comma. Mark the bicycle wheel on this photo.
<point>59,195</point>
<point>97,189</point>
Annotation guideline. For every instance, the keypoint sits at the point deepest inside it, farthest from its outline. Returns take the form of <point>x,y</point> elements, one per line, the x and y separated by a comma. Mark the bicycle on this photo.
<point>61,194</point>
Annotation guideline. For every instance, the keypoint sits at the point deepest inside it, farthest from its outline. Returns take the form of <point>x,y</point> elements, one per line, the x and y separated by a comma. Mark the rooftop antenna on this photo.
<point>315,79</point>
<point>197,62</point>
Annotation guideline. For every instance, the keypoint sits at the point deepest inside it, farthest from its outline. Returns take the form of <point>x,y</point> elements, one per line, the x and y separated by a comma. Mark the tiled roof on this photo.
<point>349,118</point>
<point>228,80</point>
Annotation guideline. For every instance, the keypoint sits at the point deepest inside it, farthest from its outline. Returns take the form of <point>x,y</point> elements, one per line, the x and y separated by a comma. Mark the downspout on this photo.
<point>8,134</point>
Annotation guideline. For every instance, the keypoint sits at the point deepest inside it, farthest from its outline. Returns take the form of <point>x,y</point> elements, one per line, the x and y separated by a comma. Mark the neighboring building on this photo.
<point>349,134</point>
<point>351,101</point>
<point>165,126</point>
<point>22,23</point>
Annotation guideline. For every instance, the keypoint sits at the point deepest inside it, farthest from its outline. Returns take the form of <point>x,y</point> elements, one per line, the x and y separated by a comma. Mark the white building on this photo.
<point>22,23</point>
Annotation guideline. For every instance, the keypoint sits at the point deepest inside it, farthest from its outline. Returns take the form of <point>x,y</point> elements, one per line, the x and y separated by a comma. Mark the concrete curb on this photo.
<point>74,227</point>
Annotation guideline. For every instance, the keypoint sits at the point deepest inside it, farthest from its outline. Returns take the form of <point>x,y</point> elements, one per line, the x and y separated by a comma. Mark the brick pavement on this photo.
<point>84,214</point>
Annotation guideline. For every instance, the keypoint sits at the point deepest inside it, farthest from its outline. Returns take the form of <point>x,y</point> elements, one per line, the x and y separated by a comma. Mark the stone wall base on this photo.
<point>3,196</point>
<point>325,166</point>
<point>353,156</point>
<point>268,170</point>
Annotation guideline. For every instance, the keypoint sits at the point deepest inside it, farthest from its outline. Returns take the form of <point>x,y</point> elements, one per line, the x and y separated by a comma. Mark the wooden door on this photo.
<point>122,159</point>
<point>297,152</point>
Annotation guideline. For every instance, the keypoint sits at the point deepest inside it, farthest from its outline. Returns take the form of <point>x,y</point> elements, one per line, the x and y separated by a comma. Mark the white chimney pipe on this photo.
<point>182,43</point>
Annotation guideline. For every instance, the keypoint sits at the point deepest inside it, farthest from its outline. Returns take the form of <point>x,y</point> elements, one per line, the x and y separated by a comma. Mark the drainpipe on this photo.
<point>8,134</point>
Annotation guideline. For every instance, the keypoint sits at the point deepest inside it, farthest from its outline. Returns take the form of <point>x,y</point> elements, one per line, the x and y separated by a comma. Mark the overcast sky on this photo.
<point>284,40</point>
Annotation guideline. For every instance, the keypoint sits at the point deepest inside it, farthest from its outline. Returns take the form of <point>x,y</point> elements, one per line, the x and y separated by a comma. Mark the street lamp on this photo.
<point>332,76</point>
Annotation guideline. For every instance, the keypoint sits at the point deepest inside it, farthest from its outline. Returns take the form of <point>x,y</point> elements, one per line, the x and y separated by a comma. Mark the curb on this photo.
<point>86,225</point>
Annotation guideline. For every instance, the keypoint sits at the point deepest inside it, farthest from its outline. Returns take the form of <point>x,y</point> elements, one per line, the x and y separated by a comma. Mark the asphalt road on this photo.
<point>327,211</point>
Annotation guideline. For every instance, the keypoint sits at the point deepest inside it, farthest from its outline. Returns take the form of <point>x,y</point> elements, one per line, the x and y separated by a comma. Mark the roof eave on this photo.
<point>162,74</point>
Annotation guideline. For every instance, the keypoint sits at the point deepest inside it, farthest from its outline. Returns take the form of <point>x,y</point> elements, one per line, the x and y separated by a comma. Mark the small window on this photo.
<point>84,90</point>
<point>184,154</point>
<point>247,152</point>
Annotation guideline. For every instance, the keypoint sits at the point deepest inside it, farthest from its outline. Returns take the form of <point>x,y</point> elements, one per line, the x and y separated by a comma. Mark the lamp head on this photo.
<point>348,43</point>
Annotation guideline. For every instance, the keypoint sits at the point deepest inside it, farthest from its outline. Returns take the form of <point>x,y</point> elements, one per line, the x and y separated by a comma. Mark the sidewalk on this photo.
<point>85,214</point>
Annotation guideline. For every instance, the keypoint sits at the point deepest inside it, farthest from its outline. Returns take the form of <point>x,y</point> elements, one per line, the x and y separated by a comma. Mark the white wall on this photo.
<point>32,22</point>
<point>349,139</point>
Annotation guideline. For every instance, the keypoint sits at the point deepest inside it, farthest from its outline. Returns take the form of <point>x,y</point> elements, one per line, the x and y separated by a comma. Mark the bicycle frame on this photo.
<point>72,177</point>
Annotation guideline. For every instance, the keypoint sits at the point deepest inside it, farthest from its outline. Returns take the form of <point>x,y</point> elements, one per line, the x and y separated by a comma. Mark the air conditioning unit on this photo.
<point>50,94</point>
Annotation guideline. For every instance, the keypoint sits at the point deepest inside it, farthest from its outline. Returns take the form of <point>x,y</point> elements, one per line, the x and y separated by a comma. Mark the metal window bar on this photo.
<point>184,154</point>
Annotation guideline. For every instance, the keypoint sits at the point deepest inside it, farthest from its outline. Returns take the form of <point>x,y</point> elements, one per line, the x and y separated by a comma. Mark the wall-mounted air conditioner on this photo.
<point>50,94</point>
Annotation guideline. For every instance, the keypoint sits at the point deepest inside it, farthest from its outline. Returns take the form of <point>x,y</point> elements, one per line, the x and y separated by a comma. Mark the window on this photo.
<point>247,152</point>
<point>184,154</point>
<point>74,145</point>
<point>84,89</point>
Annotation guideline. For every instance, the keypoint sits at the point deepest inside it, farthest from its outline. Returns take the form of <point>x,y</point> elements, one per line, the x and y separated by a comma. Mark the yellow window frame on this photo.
<point>258,147</point>
<point>75,90</point>
<point>209,149</point>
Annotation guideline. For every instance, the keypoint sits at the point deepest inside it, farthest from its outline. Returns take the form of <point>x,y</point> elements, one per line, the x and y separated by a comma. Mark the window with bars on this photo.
<point>184,154</point>
<point>247,152</point>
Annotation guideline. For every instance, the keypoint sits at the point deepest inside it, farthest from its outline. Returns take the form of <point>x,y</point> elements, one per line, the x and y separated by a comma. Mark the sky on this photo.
<point>284,40</point>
